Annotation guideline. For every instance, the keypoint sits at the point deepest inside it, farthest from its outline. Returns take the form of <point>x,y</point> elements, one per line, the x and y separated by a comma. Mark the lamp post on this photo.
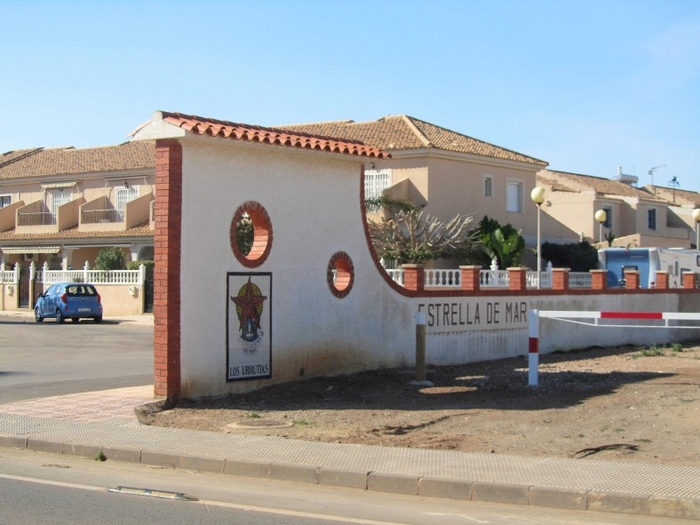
<point>537,196</point>
<point>601,217</point>
<point>696,217</point>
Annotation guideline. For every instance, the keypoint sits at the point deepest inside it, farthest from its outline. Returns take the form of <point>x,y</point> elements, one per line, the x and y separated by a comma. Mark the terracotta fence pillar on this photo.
<point>688,280</point>
<point>414,277</point>
<point>471,278</point>
<point>599,279</point>
<point>662,280</point>
<point>631,279</point>
<point>517,279</point>
<point>560,278</point>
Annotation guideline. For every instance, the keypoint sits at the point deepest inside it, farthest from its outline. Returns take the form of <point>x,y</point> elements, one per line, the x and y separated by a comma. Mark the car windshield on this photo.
<point>80,290</point>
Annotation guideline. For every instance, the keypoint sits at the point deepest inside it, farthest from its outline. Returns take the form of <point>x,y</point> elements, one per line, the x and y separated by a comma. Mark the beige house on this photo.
<point>681,205</point>
<point>443,171</point>
<point>64,205</point>
<point>635,216</point>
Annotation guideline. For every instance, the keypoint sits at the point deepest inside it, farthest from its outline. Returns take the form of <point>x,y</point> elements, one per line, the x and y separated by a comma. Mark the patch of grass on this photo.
<point>252,415</point>
<point>652,351</point>
<point>100,456</point>
<point>302,422</point>
<point>677,347</point>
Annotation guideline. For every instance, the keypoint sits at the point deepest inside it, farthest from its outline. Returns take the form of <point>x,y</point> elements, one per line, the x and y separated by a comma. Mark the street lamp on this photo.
<point>696,217</point>
<point>601,217</point>
<point>537,196</point>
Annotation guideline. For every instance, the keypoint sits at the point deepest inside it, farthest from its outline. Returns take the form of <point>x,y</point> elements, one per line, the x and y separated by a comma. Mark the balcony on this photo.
<point>101,215</point>
<point>35,217</point>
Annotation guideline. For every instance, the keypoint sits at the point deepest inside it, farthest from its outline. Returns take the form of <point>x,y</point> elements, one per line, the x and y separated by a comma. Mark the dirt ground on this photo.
<point>622,404</point>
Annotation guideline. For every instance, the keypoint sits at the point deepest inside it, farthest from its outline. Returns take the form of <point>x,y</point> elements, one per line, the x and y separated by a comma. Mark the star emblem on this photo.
<point>249,304</point>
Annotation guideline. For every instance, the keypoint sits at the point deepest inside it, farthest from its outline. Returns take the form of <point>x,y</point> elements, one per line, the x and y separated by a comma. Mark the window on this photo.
<point>488,185</point>
<point>651,219</point>
<point>251,234</point>
<point>608,218</point>
<point>58,199</point>
<point>514,197</point>
<point>5,200</point>
<point>125,195</point>
<point>376,181</point>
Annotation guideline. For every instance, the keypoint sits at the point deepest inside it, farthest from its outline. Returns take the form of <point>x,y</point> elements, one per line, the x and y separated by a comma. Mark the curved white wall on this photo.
<point>313,200</point>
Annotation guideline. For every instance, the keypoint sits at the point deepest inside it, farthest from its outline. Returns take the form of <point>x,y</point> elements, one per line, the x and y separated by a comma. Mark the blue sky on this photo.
<point>586,85</point>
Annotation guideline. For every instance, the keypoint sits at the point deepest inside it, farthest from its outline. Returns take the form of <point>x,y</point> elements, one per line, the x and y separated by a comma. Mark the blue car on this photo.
<point>69,301</point>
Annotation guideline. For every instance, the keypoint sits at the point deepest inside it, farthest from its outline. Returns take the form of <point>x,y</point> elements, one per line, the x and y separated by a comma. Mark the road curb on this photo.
<point>508,493</point>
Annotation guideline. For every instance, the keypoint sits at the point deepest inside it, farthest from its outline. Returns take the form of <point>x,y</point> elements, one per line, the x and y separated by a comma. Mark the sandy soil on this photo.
<point>622,404</point>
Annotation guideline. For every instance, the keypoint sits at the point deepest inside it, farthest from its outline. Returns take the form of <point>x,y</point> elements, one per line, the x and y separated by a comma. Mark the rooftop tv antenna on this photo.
<point>652,170</point>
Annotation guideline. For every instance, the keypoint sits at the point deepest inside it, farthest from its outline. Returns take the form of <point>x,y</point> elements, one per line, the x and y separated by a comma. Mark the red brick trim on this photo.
<point>471,278</point>
<point>166,300</point>
<point>517,279</point>
<point>340,274</point>
<point>262,234</point>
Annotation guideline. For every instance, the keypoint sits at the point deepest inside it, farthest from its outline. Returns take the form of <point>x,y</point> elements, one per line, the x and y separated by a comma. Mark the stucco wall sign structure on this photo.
<point>335,308</point>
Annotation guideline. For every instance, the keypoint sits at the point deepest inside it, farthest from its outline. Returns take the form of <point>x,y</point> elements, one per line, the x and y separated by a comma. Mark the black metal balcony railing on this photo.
<point>101,216</point>
<point>36,218</point>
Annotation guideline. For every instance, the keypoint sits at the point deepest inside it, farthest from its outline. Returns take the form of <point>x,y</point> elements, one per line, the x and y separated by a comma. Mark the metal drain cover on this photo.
<point>152,493</point>
<point>261,423</point>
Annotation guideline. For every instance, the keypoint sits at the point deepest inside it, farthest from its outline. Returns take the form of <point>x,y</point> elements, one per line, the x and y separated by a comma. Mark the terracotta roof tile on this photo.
<point>42,162</point>
<point>278,137</point>
<point>611,187</point>
<point>676,195</point>
<point>73,234</point>
<point>403,132</point>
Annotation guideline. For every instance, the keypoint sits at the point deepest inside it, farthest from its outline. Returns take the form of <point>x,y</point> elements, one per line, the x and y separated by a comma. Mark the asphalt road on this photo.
<point>48,359</point>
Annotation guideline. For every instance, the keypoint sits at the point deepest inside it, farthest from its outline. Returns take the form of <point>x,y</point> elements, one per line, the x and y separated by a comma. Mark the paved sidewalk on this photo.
<point>85,424</point>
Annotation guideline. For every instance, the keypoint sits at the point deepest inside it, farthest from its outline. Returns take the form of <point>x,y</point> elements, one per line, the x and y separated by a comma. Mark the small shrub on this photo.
<point>110,259</point>
<point>252,415</point>
<point>652,351</point>
<point>677,347</point>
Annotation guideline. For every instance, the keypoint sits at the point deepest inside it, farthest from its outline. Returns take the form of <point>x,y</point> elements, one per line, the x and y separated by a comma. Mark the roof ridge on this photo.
<point>340,121</point>
<point>409,121</point>
<point>481,141</point>
<point>28,153</point>
<point>269,135</point>
<point>256,127</point>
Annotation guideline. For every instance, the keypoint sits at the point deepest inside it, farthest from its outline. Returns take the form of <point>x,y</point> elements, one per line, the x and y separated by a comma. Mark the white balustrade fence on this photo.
<point>10,276</point>
<point>489,278</point>
<point>493,278</point>
<point>396,276</point>
<point>579,280</point>
<point>102,277</point>
<point>443,278</point>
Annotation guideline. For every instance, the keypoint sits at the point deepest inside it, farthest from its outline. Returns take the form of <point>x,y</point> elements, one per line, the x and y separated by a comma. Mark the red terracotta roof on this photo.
<point>402,132</point>
<point>73,234</point>
<point>610,187</point>
<point>675,195</point>
<point>42,162</point>
<point>278,137</point>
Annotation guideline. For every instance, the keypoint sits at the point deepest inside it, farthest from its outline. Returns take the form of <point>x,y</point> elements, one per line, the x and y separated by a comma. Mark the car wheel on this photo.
<point>37,315</point>
<point>60,318</point>
<point>75,319</point>
<point>98,319</point>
